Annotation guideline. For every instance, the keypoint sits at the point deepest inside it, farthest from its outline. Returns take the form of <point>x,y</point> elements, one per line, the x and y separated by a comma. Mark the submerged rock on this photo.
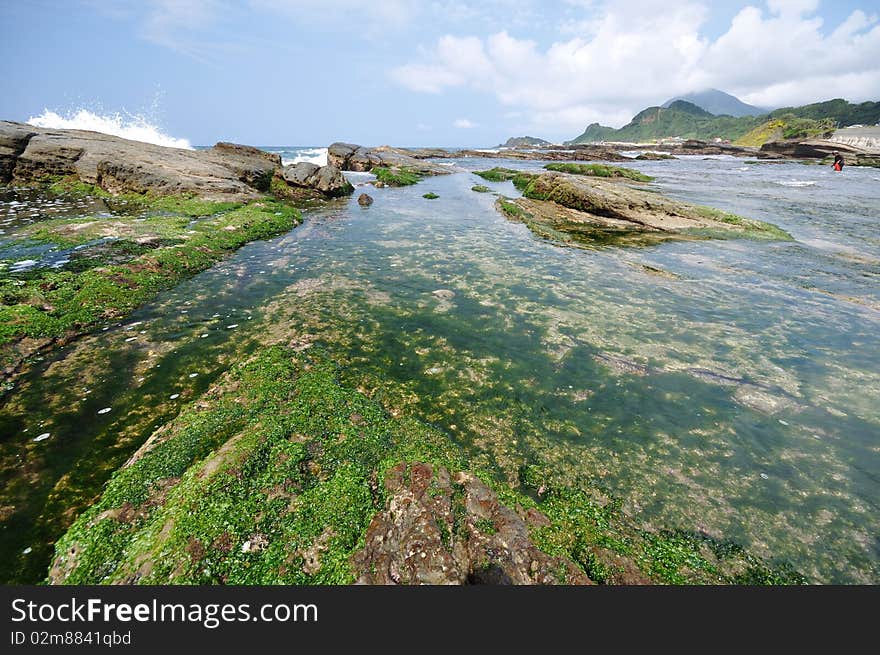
<point>365,200</point>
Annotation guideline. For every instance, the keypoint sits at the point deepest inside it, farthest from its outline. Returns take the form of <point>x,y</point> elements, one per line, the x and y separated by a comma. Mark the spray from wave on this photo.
<point>133,127</point>
<point>316,156</point>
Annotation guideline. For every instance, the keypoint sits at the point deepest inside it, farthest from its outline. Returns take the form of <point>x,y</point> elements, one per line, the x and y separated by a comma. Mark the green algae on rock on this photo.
<point>117,263</point>
<point>599,170</point>
<point>396,177</point>
<point>601,208</point>
<point>280,475</point>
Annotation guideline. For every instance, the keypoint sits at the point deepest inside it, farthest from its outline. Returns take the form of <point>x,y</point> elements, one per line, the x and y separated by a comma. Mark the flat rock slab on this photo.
<point>117,165</point>
<point>595,208</point>
<point>352,157</point>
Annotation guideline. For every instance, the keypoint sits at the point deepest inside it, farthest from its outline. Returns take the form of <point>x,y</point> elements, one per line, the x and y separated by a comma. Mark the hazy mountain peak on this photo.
<point>719,103</point>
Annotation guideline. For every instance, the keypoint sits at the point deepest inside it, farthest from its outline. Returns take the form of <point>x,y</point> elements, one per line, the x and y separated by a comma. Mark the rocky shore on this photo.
<point>280,475</point>
<point>229,192</point>
<point>225,172</point>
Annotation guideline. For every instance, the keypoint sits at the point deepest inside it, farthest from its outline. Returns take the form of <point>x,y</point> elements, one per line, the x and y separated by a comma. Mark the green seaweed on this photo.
<point>274,476</point>
<point>599,170</point>
<point>396,176</point>
<point>51,303</point>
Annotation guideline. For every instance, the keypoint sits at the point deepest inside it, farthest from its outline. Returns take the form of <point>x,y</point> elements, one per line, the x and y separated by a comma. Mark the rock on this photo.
<point>117,165</point>
<point>436,530</point>
<point>14,138</point>
<point>853,155</point>
<point>327,180</point>
<point>654,156</point>
<point>299,174</point>
<point>586,209</point>
<point>364,200</point>
<point>351,157</point>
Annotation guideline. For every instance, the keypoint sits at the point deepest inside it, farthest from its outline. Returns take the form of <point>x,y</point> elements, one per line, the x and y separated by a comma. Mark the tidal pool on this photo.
<point>729,387</point>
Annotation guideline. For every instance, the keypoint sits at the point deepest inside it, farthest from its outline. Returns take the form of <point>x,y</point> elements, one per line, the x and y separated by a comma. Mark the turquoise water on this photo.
<point>723,386</point>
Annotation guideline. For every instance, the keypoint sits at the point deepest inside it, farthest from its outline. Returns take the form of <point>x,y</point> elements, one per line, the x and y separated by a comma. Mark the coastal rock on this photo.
<point>328,180</point>
<point>351,157</point>
<point>440,529</point>
<point>14,138</point>
<point>583,209</point>
<point>118,165</point>
<point>364,200</point>
<point>821,149</point>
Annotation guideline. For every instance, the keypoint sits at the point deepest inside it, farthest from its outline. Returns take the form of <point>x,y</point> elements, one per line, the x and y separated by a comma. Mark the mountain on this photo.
<point>680,119</point>
<point>719,103</point>
<point>686,120</point>
<point>524,142</point>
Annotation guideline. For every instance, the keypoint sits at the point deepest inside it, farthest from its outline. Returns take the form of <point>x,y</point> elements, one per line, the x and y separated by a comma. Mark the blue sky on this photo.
<point>442,72</point>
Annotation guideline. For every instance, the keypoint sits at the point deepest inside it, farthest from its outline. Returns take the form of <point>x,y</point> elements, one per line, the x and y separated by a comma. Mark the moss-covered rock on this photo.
<point>588,210</point>
<point>599,170</point>
<point>280,475</point>
<point>120,262</point>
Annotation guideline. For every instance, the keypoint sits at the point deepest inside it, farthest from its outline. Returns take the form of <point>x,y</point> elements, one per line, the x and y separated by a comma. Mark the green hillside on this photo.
<point>840,111</point>
<point>687,121</point>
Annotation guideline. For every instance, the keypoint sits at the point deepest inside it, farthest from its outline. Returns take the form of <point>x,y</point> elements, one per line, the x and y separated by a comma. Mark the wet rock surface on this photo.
<point>352,157</point>
<point>443,529</point>
<point>599,208</point>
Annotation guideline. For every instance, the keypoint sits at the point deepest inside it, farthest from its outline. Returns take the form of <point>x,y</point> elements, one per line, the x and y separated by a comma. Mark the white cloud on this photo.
<point>628,55</point>
<point>464,124</point>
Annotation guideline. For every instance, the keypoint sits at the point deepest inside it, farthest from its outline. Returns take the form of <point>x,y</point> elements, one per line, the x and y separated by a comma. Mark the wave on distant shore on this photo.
<point>136,128</point>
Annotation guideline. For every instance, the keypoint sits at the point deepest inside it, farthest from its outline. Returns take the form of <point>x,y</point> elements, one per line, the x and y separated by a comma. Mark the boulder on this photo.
<point>351,157</point>
<point>327,180</point>
<point>299,174</point>
<point>443,529</point>
<point>365,200</point>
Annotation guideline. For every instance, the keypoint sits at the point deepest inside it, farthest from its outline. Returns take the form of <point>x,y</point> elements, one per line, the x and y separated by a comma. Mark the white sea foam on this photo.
<point>23,265</point>
<point>317,156</point>
<point>136,128</point>
<point>797,183</point>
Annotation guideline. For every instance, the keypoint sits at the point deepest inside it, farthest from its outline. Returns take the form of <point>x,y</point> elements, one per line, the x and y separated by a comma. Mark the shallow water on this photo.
<point>723,386</point>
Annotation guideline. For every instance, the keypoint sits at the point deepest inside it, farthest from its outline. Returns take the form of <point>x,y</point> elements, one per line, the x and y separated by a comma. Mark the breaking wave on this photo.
<point>136,128</point>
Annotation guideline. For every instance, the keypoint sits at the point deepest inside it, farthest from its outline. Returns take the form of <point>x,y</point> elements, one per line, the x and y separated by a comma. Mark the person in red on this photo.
<point>838,162</point>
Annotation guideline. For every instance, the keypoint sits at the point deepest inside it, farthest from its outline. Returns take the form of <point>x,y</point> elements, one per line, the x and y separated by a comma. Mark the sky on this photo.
<point>410,73</point>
